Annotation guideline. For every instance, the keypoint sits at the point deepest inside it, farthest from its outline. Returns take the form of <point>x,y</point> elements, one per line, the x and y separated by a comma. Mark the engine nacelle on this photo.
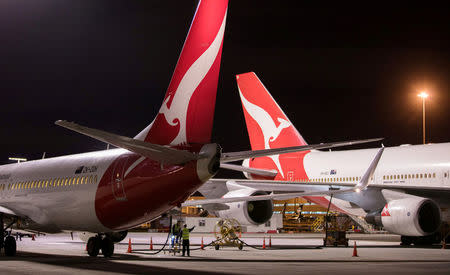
<point>413,216</point>
<point>248,212</point>
<point>115,236</point>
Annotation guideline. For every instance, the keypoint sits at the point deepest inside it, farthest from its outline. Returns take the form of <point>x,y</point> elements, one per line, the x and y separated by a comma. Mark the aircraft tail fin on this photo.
<point>267,125</point>
<point>187,112</point>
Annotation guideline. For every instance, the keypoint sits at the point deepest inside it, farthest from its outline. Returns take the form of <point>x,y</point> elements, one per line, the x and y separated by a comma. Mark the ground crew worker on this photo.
<point>185,236</point>
<point>176,232</point>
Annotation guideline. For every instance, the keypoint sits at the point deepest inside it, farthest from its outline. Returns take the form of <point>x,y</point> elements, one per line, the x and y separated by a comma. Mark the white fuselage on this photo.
<point>101,191</point>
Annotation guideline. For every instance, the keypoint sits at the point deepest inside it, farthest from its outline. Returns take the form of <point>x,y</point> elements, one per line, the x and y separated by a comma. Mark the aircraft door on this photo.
<point>117,179</point>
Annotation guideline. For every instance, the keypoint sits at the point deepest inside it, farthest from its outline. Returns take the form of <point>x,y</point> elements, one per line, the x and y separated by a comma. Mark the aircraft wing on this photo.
<point>156,152</point>
<point>301,190</point>
<point>7,211</point>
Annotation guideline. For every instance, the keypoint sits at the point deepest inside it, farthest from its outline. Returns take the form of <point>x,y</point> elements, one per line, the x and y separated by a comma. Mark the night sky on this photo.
<point>339,72</point>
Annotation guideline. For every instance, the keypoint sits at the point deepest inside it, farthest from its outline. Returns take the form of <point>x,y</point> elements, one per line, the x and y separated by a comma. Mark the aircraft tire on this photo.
<point>10,246</point>
<point>93,246</point>
<point>107,247</point>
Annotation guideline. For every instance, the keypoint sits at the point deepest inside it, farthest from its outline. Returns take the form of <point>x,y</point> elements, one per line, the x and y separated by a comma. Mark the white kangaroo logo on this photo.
<point>269,129</point>
<point>188,84</point>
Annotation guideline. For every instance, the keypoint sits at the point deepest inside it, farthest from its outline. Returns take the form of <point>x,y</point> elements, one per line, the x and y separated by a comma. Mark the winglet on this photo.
<point>370,171</point>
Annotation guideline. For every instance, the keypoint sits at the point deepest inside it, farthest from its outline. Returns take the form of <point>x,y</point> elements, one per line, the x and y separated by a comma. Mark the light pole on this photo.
<point>423,95</point>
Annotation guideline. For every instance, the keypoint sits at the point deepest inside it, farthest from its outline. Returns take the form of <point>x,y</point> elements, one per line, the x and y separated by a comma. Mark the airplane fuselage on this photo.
<point>101,191</point>
<point>402,167</point>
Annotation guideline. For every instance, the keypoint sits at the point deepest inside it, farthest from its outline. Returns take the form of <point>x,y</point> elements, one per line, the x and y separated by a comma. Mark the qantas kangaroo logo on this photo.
<point>268,127</point>
<point>176,104</point>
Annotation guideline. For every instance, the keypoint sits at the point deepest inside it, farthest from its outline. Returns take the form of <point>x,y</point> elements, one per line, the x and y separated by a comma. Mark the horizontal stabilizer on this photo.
<point>254,171</point>
<point>160,153</point>
<point>235,156</point>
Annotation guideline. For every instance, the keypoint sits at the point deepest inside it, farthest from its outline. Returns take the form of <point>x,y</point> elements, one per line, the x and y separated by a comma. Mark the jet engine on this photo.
<point>247,212</point>
<point>412,216</point>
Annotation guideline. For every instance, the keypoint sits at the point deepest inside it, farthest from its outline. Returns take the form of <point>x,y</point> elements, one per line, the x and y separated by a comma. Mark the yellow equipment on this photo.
<point>226,232</point>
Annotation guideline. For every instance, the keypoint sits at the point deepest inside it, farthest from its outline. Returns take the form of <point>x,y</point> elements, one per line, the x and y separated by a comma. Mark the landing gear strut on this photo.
<point>7,241</point>
<point>100,242</point>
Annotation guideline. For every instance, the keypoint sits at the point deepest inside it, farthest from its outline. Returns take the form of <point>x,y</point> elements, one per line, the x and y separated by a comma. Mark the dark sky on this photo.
<point>339,72</point>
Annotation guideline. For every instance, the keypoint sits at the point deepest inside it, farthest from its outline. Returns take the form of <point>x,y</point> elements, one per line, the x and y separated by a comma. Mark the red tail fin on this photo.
<point>267,125</point>
<point>187,113</point>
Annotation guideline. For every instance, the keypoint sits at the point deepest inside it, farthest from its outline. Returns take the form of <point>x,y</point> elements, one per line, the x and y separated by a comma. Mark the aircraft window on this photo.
<point>421,175</point>
<point>95,179</point>
<point>78,180</point>
<point>425,175</point>
<point>82,180</point>
<point>65,182</point>
<point>434,175</point>
<point>46,183</point>
<point>445,175</point>
<point>429,175</point>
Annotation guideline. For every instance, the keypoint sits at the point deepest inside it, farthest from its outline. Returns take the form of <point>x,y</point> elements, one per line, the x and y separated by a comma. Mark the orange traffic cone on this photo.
<point>129,246</point>
<point>355,253</point>
<point>202,246</point>
<point>151,243</point>
<point>33,237</point>
<point>270,241</point>
<point>264,243</point>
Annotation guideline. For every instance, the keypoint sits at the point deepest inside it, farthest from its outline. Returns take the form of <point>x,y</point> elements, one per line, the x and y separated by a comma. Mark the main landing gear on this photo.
<point>100,242</point>
<point>7,242</point>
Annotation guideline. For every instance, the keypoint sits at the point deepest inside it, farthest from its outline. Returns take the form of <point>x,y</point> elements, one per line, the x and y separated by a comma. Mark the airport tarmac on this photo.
<point>290,254</point>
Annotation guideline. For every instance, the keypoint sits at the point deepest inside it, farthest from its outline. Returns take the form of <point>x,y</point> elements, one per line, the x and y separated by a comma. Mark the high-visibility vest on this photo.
<point>185,234</point>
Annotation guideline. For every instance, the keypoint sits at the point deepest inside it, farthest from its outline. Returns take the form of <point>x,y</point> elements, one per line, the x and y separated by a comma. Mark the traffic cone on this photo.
<point>33,237</point>
<point>151,243</point>
<point>270,241</point>
<point>129,246</point>
<point>355,253</point>
<point>202,246</point>
<point>264,243</point>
